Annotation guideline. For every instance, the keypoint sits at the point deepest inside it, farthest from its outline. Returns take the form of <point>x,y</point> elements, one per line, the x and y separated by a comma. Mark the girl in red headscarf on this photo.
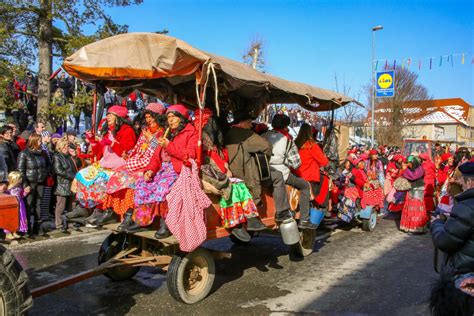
<point>145,156</point>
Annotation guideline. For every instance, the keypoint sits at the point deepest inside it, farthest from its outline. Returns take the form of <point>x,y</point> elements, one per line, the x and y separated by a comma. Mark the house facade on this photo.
<point>450,120</point>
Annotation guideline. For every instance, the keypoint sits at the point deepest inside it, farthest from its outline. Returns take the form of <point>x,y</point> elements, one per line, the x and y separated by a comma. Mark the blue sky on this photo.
<point>311,41</point>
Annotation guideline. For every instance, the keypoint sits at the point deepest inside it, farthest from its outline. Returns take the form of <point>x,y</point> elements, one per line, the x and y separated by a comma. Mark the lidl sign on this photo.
<point>385,85</point>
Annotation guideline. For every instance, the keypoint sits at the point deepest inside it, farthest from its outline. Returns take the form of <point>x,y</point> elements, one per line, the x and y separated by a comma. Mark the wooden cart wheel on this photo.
<point>306,244</point>
<point>190,276</point>
<point>369,224</point>
<point>15,297</point>
<point>111,246</point>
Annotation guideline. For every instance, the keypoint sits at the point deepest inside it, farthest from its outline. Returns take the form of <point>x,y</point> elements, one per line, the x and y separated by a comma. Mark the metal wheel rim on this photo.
<point>373,220</point>
<point>196,276</point>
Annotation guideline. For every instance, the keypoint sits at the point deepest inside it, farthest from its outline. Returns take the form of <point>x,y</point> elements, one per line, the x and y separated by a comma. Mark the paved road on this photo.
<point>385,272</point>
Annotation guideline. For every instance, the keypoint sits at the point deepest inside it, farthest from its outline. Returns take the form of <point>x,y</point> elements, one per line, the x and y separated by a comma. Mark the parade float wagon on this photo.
<point>175,72</point>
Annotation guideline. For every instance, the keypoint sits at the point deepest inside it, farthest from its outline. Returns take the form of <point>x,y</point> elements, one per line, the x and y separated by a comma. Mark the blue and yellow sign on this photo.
<point>385,86</point>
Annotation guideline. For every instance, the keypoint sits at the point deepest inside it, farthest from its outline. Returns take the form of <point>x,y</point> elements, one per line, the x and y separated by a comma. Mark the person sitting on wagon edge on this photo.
<point>285,156</point>
<point>241,141</point>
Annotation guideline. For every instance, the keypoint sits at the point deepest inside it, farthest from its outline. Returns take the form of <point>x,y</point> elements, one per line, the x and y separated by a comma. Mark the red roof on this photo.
<point>454,110</point>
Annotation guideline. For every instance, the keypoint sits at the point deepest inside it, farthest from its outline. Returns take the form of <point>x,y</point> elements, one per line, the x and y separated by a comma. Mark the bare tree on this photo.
<point>254,56</point>
<point>393,116</point>
<point>352,112</point>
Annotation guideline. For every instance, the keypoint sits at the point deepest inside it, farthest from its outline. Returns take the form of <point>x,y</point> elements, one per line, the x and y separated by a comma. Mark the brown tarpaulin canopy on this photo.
<point>155,63</point>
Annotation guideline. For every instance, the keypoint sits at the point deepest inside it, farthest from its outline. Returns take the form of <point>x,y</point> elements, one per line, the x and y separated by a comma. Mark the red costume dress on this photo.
<point>312,159</point>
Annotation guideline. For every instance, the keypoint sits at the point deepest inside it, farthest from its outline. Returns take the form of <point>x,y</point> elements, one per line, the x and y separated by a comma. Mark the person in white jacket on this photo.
<point>285,157</point>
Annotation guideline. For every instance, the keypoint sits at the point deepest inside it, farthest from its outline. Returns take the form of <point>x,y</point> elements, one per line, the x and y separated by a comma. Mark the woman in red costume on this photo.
<point>312,159</point>
<point>116,138</point>
<point>369,189</point>
<point>430,181</point>
<point>144,156</point>
<point>394,170</point>
<point>179,144</point>
<point>414,215</point>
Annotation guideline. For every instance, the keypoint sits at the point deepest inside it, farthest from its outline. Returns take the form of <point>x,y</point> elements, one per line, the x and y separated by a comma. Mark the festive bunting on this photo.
<point>443,59</point>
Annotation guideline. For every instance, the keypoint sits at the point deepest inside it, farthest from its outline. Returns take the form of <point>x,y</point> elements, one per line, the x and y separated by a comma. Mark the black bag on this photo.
<point>263,166</point>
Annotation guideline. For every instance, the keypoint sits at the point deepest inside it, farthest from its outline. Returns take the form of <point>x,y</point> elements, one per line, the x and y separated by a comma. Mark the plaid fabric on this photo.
<point>141,154</point>
<point>292,155</point>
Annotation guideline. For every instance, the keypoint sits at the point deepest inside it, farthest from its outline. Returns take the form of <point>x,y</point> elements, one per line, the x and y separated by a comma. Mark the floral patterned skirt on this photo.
<point>122,179</point>
<point>145,214</point>
<point>158,189</point>
<point>91,185</point>
<point>149,194</point>
<point>238,207</point>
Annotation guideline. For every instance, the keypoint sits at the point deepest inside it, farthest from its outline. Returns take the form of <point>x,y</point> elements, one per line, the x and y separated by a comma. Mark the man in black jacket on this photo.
<point>455,237</point>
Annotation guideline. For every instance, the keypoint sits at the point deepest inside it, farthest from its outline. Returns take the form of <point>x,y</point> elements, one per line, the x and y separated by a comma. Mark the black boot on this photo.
<point>127,221</point>
<point>77,212</point>
<point>135,228</point>
<point>255,224</point>
<point>240,233</point>
<point>94,217</point>
<point>108,217</point>
<point>281,216</point>
<point>163,231</point>
<point>307,225</point>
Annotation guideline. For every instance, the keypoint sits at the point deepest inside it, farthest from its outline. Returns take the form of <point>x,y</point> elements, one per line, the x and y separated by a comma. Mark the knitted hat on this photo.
<point>157,108</point>
<point>118,110</point>
<point>178,108</point>
<point>373,152</point>
<point>45,134</point>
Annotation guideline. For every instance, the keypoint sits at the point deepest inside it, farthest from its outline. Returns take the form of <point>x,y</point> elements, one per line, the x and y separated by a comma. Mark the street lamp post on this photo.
<point>374,29</point>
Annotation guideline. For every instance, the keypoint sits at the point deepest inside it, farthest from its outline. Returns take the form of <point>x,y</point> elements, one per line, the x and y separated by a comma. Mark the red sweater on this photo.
<point>312,159</point>
<point>125,140</point>
<point>360,179</point>
<point>183,147</point>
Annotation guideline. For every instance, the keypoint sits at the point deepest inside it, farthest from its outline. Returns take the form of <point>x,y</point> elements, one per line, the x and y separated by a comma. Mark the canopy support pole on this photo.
<point>94,114</point>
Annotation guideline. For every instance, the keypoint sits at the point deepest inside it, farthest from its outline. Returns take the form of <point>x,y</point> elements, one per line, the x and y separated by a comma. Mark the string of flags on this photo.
<point>428,62</point>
